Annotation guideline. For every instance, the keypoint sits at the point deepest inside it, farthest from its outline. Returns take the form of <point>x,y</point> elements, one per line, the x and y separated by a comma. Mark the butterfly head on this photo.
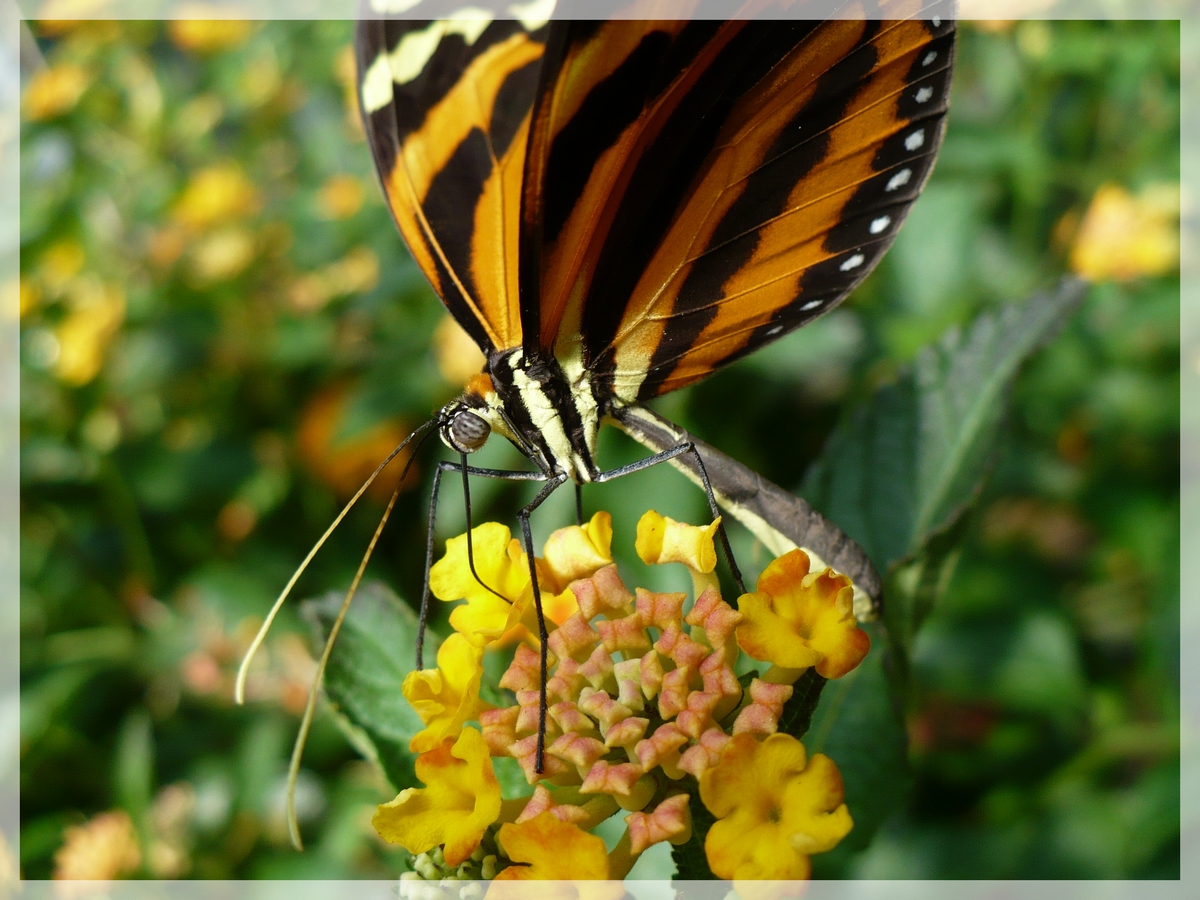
<point>466,423</point>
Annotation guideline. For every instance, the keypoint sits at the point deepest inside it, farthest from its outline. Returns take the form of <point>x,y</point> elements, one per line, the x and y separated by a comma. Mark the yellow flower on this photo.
<point>54,91</point>
<point>662,540</point>
<point>355,273</point>
<point>461,798</point>
<point>206,36</point>
<point>553,850</point>
<point>340,197</point>
<point>798,619</point>
<point>447,697</point>
<point>84,335</point>
<point>774,809</point>
<point>215,195</point>
<point>502,565</point>
<point>579,551</point>
<point>1123,236</point>
<point>101,849</point>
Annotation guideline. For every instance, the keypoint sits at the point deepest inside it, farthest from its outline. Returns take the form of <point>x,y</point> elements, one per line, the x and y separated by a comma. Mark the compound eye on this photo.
<point>468,431</point>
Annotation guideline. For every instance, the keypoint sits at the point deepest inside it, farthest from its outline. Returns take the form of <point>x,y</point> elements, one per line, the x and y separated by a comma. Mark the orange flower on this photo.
<point>774,809</point>
<point>798,619</point>
<point>460,800</point>
<point>446,697</point>
<point>553,850</point>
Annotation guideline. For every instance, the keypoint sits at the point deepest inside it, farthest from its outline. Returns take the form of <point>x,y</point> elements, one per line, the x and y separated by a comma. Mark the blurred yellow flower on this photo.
<point>97,312</point>
<point>774,809</point>
<point>222,255</point>
<point>340,197</point>
<point>101,849</point>
<point>60,262</point>
<point>461,798</point>
<point>355,273</point>
<point>1123,236</point>
<point>458,357</point>
<point>55,90</point>
<point>447,697</point>
<point>797,619</point>
<point>553,850</point>
<point>215,195</point>
<point>206,36</point>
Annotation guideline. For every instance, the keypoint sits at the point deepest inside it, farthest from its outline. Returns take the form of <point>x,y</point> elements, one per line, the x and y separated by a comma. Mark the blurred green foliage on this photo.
<point>221,329</point>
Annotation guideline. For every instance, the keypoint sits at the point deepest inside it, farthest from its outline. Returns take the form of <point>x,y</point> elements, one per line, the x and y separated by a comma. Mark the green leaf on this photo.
<point>366,671</point>
<point>907,462</point>
<point>798,711</point>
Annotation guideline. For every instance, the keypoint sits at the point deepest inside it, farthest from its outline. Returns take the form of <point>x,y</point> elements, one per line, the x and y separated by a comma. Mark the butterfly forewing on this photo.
<point>650,200</point>
<point>446,106</point>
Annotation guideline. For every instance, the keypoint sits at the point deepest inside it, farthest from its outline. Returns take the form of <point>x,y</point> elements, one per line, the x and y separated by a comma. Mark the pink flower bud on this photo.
<point>670,821</point>
<point>602,593</point>
<point>715,616</point>
<point>499,729</point>
<point>625,635</point>
<point>660,610</point>
<point>598,669</point>
<point>574,638</point>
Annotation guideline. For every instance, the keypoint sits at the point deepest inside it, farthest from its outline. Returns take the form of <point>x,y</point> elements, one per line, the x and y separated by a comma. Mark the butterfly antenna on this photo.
<point>239,687</point>
<point>293,823</point>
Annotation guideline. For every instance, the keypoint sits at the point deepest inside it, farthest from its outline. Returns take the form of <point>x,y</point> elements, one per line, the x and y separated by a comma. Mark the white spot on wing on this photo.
<point>899,180</point>
<point>813,304</point>
<point>771,332</point>
<point>929,57</point>
<point>377,85</point>
<point>881,223</point>
<point>417,47</point>
<point>853,262</point>
<point>915,140</point>
<point>392,7</point>
<point>937,21</point>
<point>534,14</point>
<point>923,94</point>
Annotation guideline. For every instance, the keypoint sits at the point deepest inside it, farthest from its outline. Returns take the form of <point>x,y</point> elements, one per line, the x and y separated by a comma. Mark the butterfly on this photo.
<point>613,210</point>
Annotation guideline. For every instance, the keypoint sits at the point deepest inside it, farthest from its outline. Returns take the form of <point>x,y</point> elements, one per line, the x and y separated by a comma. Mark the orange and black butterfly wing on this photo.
<point>446,110</point>
<point>756,175</point>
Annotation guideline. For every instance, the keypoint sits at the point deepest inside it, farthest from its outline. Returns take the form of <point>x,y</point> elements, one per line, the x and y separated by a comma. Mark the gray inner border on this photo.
<point>12,12</point>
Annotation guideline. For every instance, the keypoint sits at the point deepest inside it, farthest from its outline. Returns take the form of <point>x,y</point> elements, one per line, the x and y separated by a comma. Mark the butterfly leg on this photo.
<point>454,466</point>
<point>681,449</point>
<point>543,637</point>
<point>578,503</point>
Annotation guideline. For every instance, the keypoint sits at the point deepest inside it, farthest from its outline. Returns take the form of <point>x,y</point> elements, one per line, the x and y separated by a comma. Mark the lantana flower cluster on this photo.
<point>646,713</point>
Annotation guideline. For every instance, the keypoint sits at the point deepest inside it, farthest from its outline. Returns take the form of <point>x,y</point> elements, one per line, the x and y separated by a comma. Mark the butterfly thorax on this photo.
<point>547,409</point>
